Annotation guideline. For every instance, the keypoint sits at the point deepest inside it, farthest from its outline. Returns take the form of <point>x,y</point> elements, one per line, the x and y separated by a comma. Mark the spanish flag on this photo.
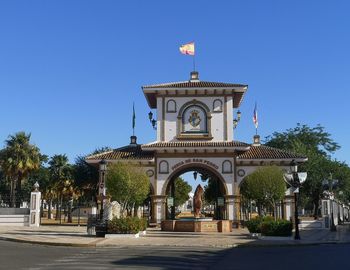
<point>187,48</point>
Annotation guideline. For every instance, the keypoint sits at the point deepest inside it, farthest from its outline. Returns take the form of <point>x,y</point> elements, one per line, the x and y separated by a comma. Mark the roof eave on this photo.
<point>300,160</point>
<point>150,93</point>
<point>94,161</point>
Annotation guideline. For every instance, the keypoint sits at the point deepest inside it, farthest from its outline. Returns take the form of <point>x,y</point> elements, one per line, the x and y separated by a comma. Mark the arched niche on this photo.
<point>163,167</point>
<point>227,166</point>
<point>171,106</point>
<point>217,105</point>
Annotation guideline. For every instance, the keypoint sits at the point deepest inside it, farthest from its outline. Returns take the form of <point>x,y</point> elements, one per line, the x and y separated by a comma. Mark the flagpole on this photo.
<point>133,119</point>
<point>194,63</point>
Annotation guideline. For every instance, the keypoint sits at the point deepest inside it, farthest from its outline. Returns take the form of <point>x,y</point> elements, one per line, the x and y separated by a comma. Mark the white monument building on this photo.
<point>195,132</point>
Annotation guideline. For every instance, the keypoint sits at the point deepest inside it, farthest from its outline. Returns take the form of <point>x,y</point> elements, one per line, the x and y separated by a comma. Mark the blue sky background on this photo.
<point>70,70</point>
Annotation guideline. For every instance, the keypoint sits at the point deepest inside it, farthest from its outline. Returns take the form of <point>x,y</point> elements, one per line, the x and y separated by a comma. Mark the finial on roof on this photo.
<point>194,76</point>
<point>133,140</point>
<point>256,140</point>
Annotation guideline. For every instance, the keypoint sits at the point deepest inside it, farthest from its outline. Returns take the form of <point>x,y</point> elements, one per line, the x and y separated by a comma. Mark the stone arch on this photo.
<point>191,167</point>
<point>193,102</point>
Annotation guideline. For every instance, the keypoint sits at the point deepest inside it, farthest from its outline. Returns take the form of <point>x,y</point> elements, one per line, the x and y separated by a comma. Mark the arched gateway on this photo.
<point>195,132</point>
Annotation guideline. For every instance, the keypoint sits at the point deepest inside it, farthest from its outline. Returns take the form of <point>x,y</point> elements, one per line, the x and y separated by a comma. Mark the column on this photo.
<point>34,214</point>
<point>234,203</point>
<point>230,207</point>
<point>325,211</point>
<point>288,203</point>
<point>158,202</point>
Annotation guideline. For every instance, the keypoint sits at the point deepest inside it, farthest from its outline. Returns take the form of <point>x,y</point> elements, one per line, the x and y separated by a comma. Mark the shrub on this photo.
<point>126,225</point>
<point>254,224</point>
<point>276,228</point>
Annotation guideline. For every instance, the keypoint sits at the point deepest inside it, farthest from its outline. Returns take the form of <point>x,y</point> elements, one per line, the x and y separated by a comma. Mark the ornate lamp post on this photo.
<point>102,185</point>
<point>329,185</point>
<point>295,179</point>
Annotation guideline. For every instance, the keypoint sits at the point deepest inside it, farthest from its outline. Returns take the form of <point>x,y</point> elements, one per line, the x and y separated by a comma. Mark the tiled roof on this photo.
<point>266,152</point>
<point>193,84</point>
<point>187,144</point>
<point>126,152</point>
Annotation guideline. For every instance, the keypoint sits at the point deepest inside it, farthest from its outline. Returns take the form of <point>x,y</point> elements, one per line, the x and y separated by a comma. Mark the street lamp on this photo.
<point>295,179</point>
<point>102,183</point>
<point>329,185</point>
<point>152,120</point>
<point>237,119</point>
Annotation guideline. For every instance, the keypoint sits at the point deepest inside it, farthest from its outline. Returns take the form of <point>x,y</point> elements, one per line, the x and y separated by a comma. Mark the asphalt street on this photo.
<point>27,256</point>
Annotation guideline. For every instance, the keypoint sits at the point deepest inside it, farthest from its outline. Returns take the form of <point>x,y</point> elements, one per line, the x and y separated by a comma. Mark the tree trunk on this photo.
<point>50,209</point>
<point>316,205</point>
<point>18,192</point>
<point>42,207</point>
<point>259,209</point>
<point>13,193</point>
<point>70,211</point>
<point>136,208</point>
<point>57,208</point>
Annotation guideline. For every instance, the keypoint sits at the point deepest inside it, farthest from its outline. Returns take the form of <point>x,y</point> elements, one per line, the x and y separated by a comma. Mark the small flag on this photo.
<point>255,116</point>
<point>133,116</point>
<point>187,48</point>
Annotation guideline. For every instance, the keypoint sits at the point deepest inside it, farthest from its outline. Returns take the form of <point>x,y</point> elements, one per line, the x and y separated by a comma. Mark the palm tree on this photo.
<point>60,174</point>
<point>18,159</point>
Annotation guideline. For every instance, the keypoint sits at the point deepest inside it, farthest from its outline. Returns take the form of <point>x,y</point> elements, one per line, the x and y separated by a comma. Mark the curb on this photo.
<point>47,243</point>
<point>96,244</point>
<point>292,244</point>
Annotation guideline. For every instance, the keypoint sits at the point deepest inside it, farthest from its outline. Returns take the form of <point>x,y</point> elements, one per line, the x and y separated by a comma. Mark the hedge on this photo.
<point>253,225</point>
<point>276,228</point>
<point>127,225</point>
<point>270,227</point>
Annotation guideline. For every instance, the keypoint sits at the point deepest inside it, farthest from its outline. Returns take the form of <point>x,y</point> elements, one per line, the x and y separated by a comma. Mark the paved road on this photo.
<point>27,256</point>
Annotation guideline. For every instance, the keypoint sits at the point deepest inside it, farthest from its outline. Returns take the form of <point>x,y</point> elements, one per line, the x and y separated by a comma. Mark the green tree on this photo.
<point>43,178</point>
<point>315,138</point>
<point>265,186</point>
<point>86,176</point>
<point>182,188</point>
<point>128,185</point>
<point>317,145</point>
<point>18,159</point>
<point>212,190</point>
<point>86,179</point>
<point>61,180</point>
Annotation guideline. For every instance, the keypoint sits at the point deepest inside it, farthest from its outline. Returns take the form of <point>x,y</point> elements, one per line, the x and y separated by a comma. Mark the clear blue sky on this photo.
<point>70,70</point>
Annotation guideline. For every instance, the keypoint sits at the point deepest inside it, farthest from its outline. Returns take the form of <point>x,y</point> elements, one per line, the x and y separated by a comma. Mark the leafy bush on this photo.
<point>276,228</point>
<point>254,224</point>
<point>127,225</point>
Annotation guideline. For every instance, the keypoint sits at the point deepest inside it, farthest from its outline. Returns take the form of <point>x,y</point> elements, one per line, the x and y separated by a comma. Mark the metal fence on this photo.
<point>20,201</point>
<point>65,214</point>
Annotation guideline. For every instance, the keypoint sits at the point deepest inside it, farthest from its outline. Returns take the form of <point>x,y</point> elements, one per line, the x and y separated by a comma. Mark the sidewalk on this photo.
<point>77,236</point>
